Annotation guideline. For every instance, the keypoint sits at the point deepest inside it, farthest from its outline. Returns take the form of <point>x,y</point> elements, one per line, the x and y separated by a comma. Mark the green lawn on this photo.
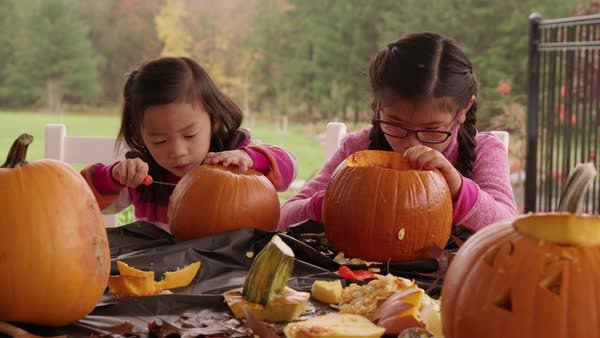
<point>298,140</point>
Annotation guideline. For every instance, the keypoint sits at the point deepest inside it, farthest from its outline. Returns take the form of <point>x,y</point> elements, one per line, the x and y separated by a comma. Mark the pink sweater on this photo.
<point>482,200</point>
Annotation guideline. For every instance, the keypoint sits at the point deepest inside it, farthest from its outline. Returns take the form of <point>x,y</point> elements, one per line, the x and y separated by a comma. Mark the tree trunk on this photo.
<point>54,97</point>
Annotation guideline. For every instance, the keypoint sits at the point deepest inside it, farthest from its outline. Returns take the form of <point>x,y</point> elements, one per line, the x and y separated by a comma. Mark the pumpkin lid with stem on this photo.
<point>567,226</point>
<point>18,152</point>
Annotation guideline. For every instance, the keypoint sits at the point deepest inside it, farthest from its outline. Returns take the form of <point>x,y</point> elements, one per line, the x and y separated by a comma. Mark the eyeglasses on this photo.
<point>423,135</point>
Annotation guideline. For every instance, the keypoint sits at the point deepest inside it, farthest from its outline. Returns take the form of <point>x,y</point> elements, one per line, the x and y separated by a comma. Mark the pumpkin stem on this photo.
<point>18,152</point>
<point>580,178</point>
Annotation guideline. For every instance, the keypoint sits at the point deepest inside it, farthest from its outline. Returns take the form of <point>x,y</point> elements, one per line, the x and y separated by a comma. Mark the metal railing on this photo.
<point>563,122</point>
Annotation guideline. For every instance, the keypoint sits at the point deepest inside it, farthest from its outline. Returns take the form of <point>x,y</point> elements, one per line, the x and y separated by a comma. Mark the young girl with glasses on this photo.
<point>424,107</point>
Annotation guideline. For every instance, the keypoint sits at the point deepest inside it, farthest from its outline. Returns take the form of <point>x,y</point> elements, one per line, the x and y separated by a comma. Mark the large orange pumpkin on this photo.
<point>535,276</point>
<point>54,255</point>
<point>211,199</point>
<point>530,277</point>
<point>377,208</point>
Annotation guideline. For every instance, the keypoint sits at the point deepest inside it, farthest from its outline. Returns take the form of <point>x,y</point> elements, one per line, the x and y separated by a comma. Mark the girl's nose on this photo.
<point>412,140</point>
<point>177,149</point>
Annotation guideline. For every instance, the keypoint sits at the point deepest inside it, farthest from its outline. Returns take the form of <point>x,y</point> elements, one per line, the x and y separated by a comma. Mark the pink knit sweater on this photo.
<point>484,199</point>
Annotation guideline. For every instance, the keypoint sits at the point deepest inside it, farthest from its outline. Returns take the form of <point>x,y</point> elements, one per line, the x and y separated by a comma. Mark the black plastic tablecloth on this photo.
<point>225,263</point>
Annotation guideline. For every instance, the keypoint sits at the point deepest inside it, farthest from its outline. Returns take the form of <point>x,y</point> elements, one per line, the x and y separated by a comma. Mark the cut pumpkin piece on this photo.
<point>126,270</point>
<point>134,282</point>
<point>329,292</point>
<point>334,325</point>
<point>179,278</point>
<point>127,286</point>
<point>286,308</point>
<point>400,311</point>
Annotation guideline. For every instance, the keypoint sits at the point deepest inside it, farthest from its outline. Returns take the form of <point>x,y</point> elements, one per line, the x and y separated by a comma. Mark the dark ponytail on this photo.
<point>466,143</point>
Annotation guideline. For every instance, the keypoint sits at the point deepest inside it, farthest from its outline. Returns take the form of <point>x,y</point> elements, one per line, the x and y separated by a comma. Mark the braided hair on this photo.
<point>421,66</point>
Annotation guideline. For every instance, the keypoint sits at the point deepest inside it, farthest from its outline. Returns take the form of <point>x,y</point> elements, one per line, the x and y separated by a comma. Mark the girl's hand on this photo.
<point>130,172</point>
<point>421,157</point>
<point>239,158</point>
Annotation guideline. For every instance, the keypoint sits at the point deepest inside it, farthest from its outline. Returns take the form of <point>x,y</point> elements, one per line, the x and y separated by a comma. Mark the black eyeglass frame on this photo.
<point>409,131</point>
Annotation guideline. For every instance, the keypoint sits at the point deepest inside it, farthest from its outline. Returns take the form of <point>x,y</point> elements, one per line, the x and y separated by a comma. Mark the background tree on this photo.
<point>52,58</point>
<point>171,29</point>
<point>306,59</point>
<point>218,43</point>
<point>123,34</point>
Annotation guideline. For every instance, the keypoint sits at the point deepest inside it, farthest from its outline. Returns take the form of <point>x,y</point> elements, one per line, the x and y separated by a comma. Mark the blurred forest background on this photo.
<point>306,59</point>
<point>291,65</point>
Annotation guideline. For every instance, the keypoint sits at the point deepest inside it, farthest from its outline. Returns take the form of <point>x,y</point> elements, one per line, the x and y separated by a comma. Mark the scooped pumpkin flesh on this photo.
<point>133,282</point>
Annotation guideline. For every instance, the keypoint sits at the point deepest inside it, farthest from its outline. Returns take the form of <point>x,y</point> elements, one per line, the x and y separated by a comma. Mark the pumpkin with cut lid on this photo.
<point>532,276</point>
<point>377,208</point>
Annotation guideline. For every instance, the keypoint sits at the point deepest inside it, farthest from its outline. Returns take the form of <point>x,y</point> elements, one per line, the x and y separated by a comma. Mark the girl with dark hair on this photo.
<point>174,117</point>
<point>424,107</point>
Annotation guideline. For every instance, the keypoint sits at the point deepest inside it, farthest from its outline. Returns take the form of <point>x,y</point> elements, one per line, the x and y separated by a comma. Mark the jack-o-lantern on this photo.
<point>532,276</point>
<point>212,199</point>
<point>377,208</point>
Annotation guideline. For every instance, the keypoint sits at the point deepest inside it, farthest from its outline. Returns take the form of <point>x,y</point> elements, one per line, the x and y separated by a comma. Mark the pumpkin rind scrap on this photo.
<point>505,283</point>
<point>376,208</point>
<point>213,199</point>
<point>132,282</point>
<point>54,255</point>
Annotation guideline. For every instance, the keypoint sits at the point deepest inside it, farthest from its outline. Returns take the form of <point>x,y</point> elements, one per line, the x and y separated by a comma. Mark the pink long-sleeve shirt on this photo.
<point>485,198</point>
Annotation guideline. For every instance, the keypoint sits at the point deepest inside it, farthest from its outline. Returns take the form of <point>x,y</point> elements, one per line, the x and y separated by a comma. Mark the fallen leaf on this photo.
<point>261,329</point>
<point>201,324</point>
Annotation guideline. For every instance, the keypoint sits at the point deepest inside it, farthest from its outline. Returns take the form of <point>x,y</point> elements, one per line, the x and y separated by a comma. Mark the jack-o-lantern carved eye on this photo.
<point>504,301</point>
<point>551,258</point>
<point>490,257</point>
<point>553,283</point>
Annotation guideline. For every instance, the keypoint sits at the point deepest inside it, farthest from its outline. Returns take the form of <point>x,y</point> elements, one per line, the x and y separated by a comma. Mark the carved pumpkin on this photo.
<point>54,255</point>
<point>377,208</point>
<point>533,276</point>
<point>213,199</point>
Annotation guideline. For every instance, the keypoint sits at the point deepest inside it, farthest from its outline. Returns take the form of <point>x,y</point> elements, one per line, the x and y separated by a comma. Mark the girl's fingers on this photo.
<point>412,155</point>
<point>425,158</point>
<point>122,174</point>
<point>227,158</point>
<point>131,174</point>
<point>211,158</point>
